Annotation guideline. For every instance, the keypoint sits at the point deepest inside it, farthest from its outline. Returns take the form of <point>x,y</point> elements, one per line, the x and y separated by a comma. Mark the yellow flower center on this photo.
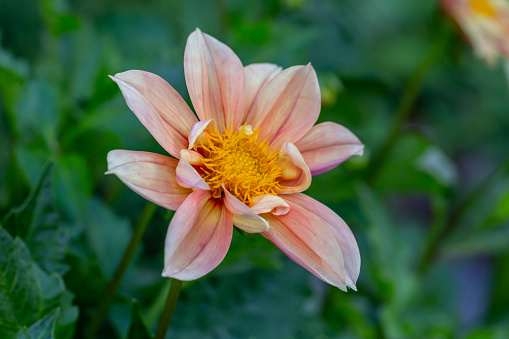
<point>245,166</point>
<point>483,7</point>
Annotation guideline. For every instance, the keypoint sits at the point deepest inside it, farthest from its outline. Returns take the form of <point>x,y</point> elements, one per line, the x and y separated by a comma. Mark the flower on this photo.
<point>244,163</point>
<point>486,24</point>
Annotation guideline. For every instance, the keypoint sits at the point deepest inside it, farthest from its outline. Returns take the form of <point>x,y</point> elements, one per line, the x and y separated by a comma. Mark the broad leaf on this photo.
<point>36,221</point>
<point>43,329</point>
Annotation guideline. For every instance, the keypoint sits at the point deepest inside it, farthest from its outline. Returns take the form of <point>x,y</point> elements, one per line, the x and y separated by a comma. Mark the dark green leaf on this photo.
<point>43,329</point>
<point>20,296</point>
<point>108,235</point>
<point>36,221</point>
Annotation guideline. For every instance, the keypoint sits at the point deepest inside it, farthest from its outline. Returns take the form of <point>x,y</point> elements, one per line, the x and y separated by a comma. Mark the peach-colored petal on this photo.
<point>158,107</point>
<point>257,75</point>
<point>327,145</point>
<point>308,241</point>
<point>191,157</point>
<point>339,229</point>
<point>150,175</point>
<point>296,176</point>
<point>188,177</point>
<point>243,217</point>
<point>287,106</point>
<point>215,80</point>
<point>270,204</point>
<point>197,132</point>
<point>198,237</point>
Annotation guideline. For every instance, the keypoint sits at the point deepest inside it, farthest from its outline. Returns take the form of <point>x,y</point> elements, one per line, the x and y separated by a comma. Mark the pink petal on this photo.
<point>188,177</point>
<point>308,241</point>
<point>339,229</point>
<point>257,75</point>
<point>327,145</point>
<point>296,176</point>
<point>287,106</point>
<point>270,204</point>
<point>197,132</point>
<point>150,175</point>
<point>243,217</point>
<point>215,80</point>
<point>191,157</point>
<point>198,237</point>
<point>159,107</point>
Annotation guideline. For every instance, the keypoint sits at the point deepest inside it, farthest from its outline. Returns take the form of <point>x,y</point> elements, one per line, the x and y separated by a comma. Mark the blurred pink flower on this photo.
<point>485,23</point>
<point>244,163</point>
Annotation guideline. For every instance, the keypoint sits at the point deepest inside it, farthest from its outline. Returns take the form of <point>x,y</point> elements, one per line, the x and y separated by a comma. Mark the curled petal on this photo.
<point>150,175</point>
<point>287,106</point>
<point>327,145</point>
<point>215,80</point>
<point>342,233</point>
<point>198,131</point>
<point>296,176</point>
<point>243,217</point>
<point>257,75</point>
<point>270,204</point>
<point>308,241</point>
<point>158,107</point>
<point>198,237</point>
<point>191,157</point>
<point>188,177</point>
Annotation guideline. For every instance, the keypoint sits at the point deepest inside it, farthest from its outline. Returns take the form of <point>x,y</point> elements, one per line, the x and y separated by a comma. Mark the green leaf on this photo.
<point>108,235</point>
<point>38,112</point>
<point>138,328</point>
<point>416,164</point>
<point>28,293</point>
<point>481,242</point>
<point>12,75</point>
<point>20,295</point>
<point>43,329</point>
<point>36,221</point>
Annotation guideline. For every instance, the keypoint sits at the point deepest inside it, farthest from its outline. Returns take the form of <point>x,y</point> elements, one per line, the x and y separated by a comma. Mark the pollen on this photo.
<point>483,7</point>
<point>245,166</point>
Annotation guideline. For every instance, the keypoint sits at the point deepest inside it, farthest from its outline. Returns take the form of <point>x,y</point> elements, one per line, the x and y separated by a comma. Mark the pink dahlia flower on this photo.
<point>244,163</point>
<point>485,23</point>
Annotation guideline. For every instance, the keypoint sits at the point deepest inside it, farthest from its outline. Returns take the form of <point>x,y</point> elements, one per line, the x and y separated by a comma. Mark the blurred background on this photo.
<point>428,202</point>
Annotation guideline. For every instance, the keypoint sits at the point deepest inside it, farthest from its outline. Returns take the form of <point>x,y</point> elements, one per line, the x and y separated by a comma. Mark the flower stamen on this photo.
<point>245,166</point>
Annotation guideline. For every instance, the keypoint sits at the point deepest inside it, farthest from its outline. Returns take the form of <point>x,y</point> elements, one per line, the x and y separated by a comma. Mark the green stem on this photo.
<point>169,307</point>
<point>139,231</point>
<point>406,104</point>
<point>454,220</point>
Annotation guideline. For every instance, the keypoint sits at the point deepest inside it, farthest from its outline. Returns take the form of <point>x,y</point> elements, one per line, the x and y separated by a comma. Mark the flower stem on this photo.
<point>169,307</point>
<point>407,102</point>
<point>111,289</point>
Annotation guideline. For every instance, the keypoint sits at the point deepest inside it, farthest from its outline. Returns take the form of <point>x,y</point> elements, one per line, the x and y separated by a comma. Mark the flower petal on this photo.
<point>150,175</point>
<point>257,75</point>
<point>196,133</point>
<point>270,204</point>
<point>287,106</point>
<point>308,241</point>
<point>191,157</point>
<point>243,217</point>
<point>188,177</point>
<point>198,237</point>
<point>296,176</point>
<point>158,107</point>
<point>339,229</point>
<point>215,80</point>
<point>327,145</point>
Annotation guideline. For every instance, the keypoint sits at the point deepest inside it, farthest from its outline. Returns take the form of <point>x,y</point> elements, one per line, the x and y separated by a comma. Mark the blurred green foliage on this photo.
<point>432,223</point>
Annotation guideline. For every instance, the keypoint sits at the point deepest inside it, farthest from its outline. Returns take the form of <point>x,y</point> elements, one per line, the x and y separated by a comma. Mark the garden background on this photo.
<point>428,202</point>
